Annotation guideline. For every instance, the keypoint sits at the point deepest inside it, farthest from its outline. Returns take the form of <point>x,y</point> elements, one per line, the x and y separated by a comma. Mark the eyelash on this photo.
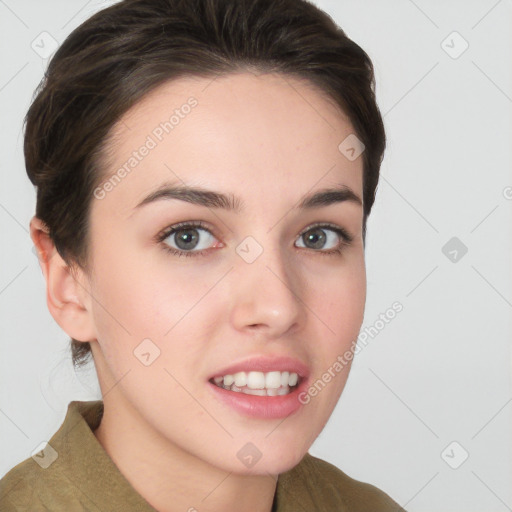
<point>346,238</point>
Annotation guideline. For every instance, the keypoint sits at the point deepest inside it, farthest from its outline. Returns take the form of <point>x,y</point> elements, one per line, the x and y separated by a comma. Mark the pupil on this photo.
<point>188,239</point>
<point>317,237</point>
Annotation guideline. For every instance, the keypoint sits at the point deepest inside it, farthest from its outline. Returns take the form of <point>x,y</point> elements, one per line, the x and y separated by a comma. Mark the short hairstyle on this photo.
<point>120,54</point>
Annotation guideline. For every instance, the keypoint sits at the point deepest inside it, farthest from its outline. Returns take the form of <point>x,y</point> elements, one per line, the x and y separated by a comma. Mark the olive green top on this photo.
<point>73,473</point>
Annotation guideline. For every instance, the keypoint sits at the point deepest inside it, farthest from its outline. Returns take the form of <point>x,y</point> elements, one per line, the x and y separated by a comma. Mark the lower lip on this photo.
<point>266,407</point>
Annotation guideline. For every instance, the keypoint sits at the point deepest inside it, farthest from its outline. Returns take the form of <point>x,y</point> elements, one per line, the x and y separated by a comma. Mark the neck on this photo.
<point>171,479</point>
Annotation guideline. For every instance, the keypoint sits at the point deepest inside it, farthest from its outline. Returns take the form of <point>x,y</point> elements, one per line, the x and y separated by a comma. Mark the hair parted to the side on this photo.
<point>120,54</point>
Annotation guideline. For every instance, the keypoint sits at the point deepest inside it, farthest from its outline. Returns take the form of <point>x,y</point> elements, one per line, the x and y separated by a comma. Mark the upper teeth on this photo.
<point>259,380</point>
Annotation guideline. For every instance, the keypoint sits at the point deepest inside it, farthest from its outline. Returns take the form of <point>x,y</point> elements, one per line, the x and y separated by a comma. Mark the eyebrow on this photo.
<point>229,202</point>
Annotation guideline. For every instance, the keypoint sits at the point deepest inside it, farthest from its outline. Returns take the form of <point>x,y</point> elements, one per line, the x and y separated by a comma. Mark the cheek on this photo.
<point>151,297</point>
<point>340,302</point>
<point>127,282</point>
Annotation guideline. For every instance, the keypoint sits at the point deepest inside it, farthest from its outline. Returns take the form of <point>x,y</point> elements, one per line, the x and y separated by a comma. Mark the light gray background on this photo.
<point>441,370</point>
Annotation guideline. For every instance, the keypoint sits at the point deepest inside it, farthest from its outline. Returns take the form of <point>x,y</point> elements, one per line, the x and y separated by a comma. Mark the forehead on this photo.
<point>252,135</point>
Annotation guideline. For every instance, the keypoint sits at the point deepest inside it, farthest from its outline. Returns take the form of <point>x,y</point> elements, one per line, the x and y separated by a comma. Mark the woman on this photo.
<point>204,170</point>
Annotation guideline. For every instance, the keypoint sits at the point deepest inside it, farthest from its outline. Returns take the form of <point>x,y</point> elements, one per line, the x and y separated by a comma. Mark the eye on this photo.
<point>325,238</point>
<point>195,238</point>
<point>187,239</point>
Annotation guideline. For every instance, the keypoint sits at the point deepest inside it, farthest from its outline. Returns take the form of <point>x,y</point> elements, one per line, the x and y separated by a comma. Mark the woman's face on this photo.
<point>255,284</point>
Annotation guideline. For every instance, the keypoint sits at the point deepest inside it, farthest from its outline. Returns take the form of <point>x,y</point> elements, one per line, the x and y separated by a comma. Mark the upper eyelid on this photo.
<point>340,231</point>
<point>167,231</point>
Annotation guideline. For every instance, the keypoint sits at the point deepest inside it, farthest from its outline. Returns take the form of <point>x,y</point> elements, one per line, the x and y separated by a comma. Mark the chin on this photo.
<point>271,461</point>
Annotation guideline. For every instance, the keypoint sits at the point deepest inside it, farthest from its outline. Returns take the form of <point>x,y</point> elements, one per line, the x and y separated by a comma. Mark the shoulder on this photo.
<point>27,487</point>
<point>323,486</point>
<point>14,487</point>
<point>47,480</point>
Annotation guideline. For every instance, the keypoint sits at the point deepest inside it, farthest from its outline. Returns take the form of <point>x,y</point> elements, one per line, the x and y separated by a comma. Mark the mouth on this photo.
<point>262,387</point>
<point>273,383</point>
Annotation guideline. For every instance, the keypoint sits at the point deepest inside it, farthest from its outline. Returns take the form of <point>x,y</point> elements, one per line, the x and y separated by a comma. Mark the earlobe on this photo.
<point>67,298</point>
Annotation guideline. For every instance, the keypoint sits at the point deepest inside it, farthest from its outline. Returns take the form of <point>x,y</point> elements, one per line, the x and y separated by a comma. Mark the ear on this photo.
<point>67,293</point>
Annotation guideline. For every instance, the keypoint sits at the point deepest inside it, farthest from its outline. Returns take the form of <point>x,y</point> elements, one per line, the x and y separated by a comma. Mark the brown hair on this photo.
<point>123,52</point>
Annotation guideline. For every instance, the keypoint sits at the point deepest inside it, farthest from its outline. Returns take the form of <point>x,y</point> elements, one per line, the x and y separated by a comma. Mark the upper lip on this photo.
<point>265,364</point>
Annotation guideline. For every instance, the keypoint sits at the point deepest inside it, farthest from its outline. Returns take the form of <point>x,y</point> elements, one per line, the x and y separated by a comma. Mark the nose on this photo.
<point>266,295</point>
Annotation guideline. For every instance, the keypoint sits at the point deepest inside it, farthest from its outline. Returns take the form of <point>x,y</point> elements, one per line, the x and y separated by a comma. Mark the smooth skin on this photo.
<point>269,140</point>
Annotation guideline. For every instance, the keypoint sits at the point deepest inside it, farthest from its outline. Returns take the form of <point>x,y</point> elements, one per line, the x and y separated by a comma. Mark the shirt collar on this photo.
<point>88,467</point>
